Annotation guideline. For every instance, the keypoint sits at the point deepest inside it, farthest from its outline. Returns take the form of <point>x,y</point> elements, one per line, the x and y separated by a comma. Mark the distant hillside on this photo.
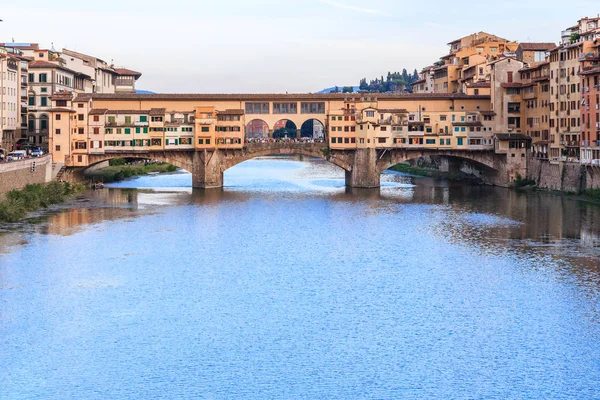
<point>394,82</point>
<point>340,89</point>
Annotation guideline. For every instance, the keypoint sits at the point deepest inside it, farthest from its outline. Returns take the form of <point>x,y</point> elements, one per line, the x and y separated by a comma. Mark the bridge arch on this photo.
<point>257,129</point>
<point>179,159</point>
<point>285,129</point>
<point>312,129</point>
<point>485,159</point>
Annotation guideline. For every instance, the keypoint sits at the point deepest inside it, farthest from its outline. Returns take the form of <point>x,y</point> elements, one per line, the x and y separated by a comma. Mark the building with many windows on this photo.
<point>10,96</point>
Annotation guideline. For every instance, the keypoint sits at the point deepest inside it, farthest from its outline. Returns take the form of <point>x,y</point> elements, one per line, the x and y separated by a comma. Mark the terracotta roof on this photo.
<point>62,96</point>
<point>479,85</point>
<point>61,109</point>
<point>277,96</point>
<point>534,66</point>
<point>393,110</point>
<point>46,64</point>
<point>418,81</point>
<point>127,72</point>
<point>98,111</point>
<point>142,112</point>
<point>592,71</point>
<point>231,112</point>
<point>512,85</point>
<point>158,111</point>
<point>82,97</point>
<point>537,46</point>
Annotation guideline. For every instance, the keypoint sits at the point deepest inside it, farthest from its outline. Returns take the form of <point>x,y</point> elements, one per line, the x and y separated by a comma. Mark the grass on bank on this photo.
<point>18,203</point>
<point>119,170</point>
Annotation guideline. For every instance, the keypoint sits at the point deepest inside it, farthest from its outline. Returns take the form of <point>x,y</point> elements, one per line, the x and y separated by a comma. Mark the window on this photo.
<point>138,130</point>
<point>31,79</point>
<point>285,108</point>
<point>44,101</point>
<point>430,141</point>
<point>381,140</point>
<point>57,131</point>
<point>81,131</point>
<point>313,108</point>
<point>80,117</point>
<point>96,131</point>
<point>58,117</point>
<point>31,101</point>
<point>257,108</point>
<point>127,131</point>
<point>205,129</point>
<point>43,78</point>
<point>153,119</point>
<point>370,114</point>
<point>143,118</point>
<point>128,120</point>
<point>57,148</point>
<point>44,90</point>
<point>96,118</point>
<point>460,141</point>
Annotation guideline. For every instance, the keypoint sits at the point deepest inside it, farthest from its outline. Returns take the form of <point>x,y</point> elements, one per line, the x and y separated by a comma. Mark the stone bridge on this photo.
<point>363,167</point>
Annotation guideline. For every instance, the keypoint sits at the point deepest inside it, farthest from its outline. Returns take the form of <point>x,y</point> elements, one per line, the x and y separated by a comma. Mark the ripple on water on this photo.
<point>286,285</point>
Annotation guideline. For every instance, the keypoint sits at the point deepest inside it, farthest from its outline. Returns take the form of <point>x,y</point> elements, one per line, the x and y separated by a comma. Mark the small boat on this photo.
<point>153,173</point>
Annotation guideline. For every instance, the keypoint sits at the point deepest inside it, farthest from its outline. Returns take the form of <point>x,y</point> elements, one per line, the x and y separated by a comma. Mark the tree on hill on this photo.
<point>394,82</point>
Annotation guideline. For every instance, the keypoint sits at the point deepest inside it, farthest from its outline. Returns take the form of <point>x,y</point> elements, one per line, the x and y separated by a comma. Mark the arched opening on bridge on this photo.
<point>285,129</point>
<point>313,129</point>
<point>448,166</point>
<point>257,129</point>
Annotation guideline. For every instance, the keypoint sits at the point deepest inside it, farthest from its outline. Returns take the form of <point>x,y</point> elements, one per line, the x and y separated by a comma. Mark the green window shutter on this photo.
<point>143,118</point>
<point>137,130</point>
<point>145,130</point>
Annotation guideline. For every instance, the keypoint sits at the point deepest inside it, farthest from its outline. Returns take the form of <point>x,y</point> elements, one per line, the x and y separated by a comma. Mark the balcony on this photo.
<point>140,123</point>
<point>205,121</point>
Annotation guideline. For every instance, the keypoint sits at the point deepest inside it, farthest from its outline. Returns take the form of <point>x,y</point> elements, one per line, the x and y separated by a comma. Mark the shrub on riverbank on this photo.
<point>593,194</point>
<point>19,203</point>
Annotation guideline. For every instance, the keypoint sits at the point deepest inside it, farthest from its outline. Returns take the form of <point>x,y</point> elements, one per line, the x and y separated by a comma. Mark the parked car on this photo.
<point>16,155</point>
<point>37,152</point>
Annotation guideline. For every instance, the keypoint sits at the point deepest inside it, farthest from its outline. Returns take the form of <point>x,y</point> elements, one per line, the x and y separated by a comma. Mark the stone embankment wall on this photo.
<point>566,177</point>
<point>17,174</point>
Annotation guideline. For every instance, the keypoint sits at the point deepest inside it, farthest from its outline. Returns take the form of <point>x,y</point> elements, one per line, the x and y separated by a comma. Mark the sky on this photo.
<point>268,46</point>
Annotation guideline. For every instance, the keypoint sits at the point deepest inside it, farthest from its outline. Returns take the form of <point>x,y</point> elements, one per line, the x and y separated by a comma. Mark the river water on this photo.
<point>286,285</point>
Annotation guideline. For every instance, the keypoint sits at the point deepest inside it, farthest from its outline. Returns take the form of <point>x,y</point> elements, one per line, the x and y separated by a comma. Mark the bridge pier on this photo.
<point>207,170</point>
<point>364,172</point>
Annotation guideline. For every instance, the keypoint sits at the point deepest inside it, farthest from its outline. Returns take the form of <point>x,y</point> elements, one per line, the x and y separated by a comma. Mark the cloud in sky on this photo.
<point>351,7</point>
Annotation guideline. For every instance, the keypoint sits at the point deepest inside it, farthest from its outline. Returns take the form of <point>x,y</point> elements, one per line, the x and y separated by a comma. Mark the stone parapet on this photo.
<point>17,174</point>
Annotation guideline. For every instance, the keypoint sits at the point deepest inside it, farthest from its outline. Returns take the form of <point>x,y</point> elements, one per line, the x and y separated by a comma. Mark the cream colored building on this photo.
<point>10,93</point>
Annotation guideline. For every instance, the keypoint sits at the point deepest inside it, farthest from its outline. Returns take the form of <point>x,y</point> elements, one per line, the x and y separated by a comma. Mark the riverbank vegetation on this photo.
<point>593,194</point>
<point>19,203</point>
<point>120,169</point>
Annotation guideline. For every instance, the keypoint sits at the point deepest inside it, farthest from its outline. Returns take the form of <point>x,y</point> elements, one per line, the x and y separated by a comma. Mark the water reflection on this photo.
<point>286,284</point>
